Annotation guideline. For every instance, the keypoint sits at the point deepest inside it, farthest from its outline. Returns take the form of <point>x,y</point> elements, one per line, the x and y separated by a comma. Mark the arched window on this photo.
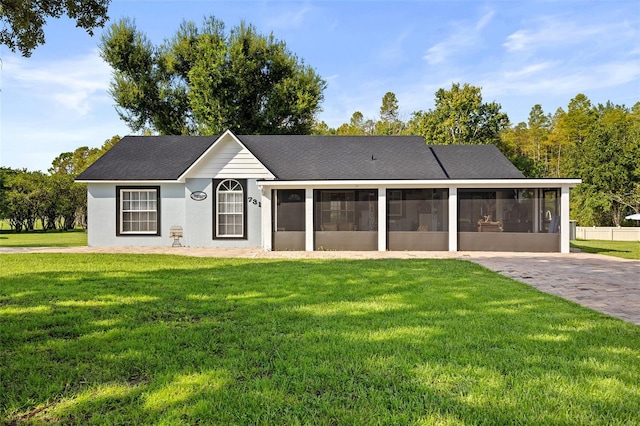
<point>230,209</point>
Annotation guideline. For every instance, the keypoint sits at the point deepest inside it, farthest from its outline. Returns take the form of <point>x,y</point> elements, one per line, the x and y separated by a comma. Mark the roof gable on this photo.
<point>228,158</point>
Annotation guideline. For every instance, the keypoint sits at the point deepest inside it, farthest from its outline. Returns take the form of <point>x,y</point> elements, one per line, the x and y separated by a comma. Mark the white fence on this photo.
<point>608,233</point>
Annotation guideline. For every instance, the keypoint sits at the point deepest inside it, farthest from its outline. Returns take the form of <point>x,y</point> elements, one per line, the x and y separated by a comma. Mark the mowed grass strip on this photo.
<point>132,339</point>
<point>55,238</point>
<point>623,249</point>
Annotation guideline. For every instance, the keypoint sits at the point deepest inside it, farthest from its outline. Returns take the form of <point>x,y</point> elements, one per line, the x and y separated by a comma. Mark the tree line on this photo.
<point>51,200</point>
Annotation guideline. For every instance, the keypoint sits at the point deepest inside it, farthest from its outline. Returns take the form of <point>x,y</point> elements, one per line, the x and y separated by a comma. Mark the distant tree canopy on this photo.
<point>205,80</point>
<point>55,200</point>
<point>74,163</point>
<point>460,117</point>
<point>23,21</point>
<point>599,144</point>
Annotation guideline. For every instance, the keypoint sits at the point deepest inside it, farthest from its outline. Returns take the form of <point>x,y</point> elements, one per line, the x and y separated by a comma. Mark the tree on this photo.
<point>460,117</point>
<point>23,199</point>
<point>23,21</point>
<point>515,144</point>
<point>389,123</point>
<point>74,163</point>
<point>539,132</point>
<point>355,127</point>
<point>607,161</point>
<point>575,126</point>
<point>205,80</point>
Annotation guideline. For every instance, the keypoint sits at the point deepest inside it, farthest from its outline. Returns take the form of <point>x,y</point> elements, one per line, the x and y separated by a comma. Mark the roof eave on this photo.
<point>433,183</point>
<point>129,181</point>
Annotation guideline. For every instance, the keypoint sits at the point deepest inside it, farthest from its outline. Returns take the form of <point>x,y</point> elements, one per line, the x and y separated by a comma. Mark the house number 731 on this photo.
<point>255,202</point>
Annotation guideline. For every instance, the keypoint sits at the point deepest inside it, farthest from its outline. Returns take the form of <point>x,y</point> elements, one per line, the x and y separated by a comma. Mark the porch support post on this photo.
<point>564,220</point>
<point>453,218</point>
<point>265,211</point>
<point>382,219</point>
<point>308,219</point>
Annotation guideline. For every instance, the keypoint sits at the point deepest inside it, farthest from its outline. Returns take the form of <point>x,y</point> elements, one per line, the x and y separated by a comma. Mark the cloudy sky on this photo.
<point>521,53</point>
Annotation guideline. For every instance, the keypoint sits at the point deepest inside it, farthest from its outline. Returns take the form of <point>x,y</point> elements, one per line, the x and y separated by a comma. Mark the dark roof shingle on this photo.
<point>148,158</point>
<point>475,162</point>
<point>308,158</point>
<point>344,157</point>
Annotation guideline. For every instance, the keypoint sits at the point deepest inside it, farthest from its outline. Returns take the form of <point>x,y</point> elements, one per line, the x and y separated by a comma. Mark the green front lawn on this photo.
<point>623,249</point>
<point>133,339</point>
<point>77,237</point>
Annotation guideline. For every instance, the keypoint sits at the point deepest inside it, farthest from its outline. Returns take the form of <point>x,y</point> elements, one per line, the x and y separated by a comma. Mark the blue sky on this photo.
<point>520,53</point>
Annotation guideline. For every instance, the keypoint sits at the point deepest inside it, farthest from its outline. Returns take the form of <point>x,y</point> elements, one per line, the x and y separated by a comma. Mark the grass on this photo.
<point>131,339</point>
<point>623,249</point>
<point>55,238</point>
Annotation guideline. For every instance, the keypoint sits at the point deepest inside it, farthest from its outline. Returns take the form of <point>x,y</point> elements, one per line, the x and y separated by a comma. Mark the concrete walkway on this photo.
<point>604,283</point>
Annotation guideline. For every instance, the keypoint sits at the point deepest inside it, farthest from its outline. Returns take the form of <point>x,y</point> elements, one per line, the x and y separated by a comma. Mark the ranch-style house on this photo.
<point>321,193</point>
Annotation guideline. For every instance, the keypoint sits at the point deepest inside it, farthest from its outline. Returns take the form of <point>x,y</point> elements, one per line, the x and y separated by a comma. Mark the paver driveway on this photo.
<point>604,283</point>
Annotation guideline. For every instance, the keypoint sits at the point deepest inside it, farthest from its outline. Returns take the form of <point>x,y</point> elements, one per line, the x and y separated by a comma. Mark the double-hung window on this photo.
<point>138,210</point>
<point>230,208</point>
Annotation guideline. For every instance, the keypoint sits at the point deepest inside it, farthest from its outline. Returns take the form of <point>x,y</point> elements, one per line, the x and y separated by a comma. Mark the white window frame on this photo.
<point>225,208</point>
<point>153,194</point>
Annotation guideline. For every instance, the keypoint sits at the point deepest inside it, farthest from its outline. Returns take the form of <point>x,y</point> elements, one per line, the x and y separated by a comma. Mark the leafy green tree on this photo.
<point>74,163</point>
<point>389,123</point>
<point>322,128</point>
<point>5,172</point>
<point>141,86</point>
<point>68,199</point>
<point>23,21</point>
<point>460,117</point>
<point>575,126</point>
<point>515,144</point>
<point>539,132</point>
<point>606,159</point>
<point>355,127</point>
<point>205,80</point>
<point>23,199</point>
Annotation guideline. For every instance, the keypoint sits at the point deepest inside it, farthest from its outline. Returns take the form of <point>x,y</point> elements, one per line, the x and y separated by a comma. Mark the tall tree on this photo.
<point>205,80</point>
<point>575,126</point>
<point>539,131</point>
<point>460,117</point>
<point>23,21</point>
<point>608,163</point>
<point>389,123</point>
<point>74,163</point>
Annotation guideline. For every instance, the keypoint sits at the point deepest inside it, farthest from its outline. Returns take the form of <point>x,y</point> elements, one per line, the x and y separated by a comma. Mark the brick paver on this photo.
<point>604,283</point>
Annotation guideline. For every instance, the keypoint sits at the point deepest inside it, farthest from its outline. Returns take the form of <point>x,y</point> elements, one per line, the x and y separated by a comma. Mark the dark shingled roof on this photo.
<point>148,158</point>
<point>475,162</point>
<point>308,158</point>
<point>344,157</point>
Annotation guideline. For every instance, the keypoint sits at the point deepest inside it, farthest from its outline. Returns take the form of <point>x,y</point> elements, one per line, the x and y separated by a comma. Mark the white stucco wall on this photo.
<point>101,205</point>
<point>198,226</point>
<point>176,208</point>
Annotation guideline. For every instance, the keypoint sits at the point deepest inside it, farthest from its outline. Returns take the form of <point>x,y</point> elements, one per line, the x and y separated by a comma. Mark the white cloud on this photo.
<point>527,71</point>
<point>74,84</point>
<point>551,32</point>
<point>464,37</point>
<point>290,19</point>
<point>558,81</point>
